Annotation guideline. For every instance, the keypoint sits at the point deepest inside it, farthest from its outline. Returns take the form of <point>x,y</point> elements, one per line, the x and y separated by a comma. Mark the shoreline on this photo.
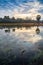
<point>21,24</point>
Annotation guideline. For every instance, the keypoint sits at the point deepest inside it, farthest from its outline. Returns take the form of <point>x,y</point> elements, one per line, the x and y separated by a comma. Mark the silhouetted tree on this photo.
<point>13,18</point>
<point>38,17</point>
<point>6,17</point>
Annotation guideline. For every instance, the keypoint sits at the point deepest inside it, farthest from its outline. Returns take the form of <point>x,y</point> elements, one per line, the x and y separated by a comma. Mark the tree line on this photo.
<point>20,20</point>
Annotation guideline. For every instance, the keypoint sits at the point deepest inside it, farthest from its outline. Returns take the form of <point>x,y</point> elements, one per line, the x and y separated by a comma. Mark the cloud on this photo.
<point>30,9</point>
<point>41,1</point>
<point>22,9</point>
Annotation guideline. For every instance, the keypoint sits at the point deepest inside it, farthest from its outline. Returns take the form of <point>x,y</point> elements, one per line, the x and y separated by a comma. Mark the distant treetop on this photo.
<point>38,17</point>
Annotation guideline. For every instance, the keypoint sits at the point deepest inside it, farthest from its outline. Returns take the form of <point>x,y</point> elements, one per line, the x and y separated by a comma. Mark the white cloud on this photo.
<point>30,9</point>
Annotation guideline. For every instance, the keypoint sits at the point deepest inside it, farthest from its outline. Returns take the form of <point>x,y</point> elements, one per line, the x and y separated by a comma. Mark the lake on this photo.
<point>21,46</point>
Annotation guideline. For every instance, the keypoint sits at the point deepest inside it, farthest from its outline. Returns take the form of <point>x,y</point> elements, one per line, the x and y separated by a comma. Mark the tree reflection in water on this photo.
<point>7,30</point>
<point>37,30</point>
<point>13,30</point>
<point>18,49</point>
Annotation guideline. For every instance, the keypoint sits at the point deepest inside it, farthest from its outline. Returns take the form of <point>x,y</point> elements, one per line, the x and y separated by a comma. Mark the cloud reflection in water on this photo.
<point>21,44</point>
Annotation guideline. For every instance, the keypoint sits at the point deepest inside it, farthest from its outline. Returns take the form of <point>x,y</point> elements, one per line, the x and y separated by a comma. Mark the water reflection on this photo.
<point>21,45</point>
<point>7,30</point>
<point>22,29</point>
<point>37,30</point>
<point>13,30</point>
<point>25,35</point>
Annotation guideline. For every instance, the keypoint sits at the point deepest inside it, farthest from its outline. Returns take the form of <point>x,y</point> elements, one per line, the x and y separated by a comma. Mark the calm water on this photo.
<point>20,46</point>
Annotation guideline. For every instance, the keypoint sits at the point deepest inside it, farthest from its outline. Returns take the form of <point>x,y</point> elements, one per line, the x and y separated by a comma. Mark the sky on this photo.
<point>21,8</point>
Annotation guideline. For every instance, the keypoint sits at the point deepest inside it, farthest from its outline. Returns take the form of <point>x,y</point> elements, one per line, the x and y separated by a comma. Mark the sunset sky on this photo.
<point>21,8</point>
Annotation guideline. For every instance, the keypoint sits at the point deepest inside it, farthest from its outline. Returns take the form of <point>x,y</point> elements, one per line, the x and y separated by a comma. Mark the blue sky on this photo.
<point>21,8</point>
